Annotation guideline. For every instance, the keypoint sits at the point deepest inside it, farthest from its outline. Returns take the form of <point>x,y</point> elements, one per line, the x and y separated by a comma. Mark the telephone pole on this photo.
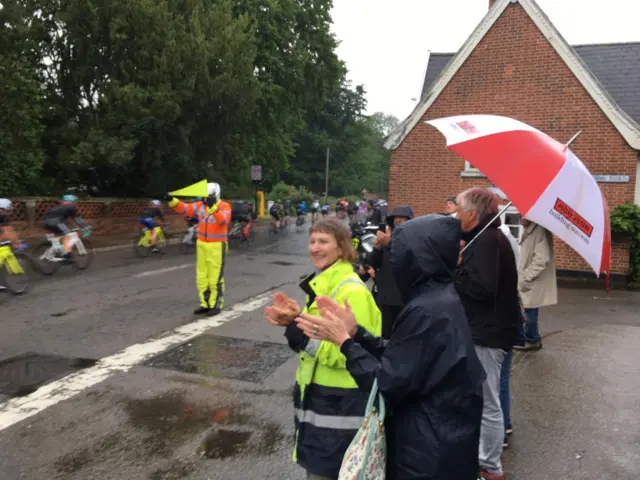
<point>326,179</point>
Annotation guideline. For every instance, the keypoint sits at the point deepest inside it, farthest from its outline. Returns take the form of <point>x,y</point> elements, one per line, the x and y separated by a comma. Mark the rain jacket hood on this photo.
<point>424,249</point>
<point>400,211</point>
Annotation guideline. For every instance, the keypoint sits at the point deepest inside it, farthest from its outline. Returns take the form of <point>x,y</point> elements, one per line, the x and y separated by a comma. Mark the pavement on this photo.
<point>105,374</point>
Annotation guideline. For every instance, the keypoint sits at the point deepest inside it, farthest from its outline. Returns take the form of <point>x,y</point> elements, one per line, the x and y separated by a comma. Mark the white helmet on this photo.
<point>5,204</point>
<point>213,190</point>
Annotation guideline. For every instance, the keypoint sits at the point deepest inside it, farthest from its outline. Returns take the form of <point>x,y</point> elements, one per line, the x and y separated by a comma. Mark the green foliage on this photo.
<point>135,98</point>
<point>625,220</point>
<point>281,191</point>
<point>21,158</point>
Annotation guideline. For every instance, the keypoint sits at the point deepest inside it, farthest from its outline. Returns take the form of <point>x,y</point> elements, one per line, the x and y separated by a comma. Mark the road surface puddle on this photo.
<point>224,357</point>
<point>24,374</point>
<point>170,423</point>
<point>224,443</point>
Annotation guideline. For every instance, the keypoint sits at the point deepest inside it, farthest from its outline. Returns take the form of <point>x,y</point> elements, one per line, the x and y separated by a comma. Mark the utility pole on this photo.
<point>326,179</point>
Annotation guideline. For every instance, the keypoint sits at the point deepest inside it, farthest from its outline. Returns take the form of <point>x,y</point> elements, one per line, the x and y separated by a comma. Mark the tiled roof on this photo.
<point>615,65</point>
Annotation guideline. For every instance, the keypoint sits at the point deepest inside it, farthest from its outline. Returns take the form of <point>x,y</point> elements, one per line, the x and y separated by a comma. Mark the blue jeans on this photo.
<point>505,396</point>
<point>531,330</point>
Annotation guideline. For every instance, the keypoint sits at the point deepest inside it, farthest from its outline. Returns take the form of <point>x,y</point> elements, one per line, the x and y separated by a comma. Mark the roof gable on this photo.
<point>615,65</point>
<point>624,123</point>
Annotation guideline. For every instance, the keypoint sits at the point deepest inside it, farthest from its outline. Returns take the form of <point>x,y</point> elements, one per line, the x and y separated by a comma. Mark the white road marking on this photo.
<point>163,270</point>
<point>18,409</point>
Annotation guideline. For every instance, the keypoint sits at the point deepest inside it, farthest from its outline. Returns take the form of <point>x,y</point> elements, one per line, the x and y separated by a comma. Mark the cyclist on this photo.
<point>55,221</point>
<point>287,208</point>
<point>301,210</point>
<point>352,210</point>
<point>315,206</point>
<point>241,213</point>
<point>277,213</point>
<point>7,233</point>
<point>152,211</point>
<point>341,213</point>
<point>325,210</point>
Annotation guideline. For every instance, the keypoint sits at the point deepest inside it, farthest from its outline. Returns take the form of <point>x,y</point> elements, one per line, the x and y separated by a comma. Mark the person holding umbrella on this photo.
<point>486,281</point>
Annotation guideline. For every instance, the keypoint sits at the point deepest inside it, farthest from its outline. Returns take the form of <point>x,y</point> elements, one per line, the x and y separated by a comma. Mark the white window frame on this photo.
<point>470,171</point>
<point>512,211</point>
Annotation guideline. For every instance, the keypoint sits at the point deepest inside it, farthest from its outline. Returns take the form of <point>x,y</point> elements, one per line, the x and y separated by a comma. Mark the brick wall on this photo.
<point>107,217</point>
<point>516,73</point>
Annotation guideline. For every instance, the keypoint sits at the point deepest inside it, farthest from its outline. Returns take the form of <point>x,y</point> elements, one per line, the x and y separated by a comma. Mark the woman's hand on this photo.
<point>330,328</point>
<point>283,311</point>
<point>328,306</point>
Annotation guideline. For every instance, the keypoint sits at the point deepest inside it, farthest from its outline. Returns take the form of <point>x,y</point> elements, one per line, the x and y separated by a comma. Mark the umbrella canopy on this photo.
<point>543,178</point>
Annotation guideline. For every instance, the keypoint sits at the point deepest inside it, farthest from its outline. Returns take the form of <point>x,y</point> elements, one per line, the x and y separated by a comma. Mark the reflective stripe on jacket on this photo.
<point>213,223</point>
<point>329,407</point>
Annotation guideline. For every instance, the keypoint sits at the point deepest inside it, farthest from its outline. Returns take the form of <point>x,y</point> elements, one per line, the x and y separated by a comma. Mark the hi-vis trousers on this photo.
<point>210,258</point>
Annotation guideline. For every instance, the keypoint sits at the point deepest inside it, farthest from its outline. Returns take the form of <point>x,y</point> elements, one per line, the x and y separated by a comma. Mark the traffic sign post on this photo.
<point>256,174</point>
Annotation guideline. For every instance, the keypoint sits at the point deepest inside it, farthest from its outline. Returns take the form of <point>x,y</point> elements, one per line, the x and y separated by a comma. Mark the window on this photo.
<point>470,171</point>
<point>511,218</point>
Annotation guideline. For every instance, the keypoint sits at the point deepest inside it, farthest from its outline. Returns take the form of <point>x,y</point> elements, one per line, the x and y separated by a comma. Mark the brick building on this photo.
<point>516,64</point>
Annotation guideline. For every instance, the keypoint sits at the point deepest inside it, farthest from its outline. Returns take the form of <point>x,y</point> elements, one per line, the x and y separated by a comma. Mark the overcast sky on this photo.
<point>386,43</point>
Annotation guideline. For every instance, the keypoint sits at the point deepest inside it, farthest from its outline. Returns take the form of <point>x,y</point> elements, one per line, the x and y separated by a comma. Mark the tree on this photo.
<point>20,129</point>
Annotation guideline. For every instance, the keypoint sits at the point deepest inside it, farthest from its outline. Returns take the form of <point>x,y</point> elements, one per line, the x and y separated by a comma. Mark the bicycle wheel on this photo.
<point>43,258</point>
<point>82,260</point>
<point>140,249</point>
<point>16,278</point>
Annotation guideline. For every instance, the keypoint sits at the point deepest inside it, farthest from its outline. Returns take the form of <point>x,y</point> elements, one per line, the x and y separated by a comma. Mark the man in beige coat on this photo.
<point>536,279</point>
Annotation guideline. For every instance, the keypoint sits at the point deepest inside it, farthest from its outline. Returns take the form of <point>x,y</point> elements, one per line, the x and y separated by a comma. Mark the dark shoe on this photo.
<point>484,475</point>
<point>509,430</point>
<point>154,250</point>
<point>529,346</point>
<point>201,311</point>
<point>214,311</point>
<point>505,442</point>
<point>67,258</point>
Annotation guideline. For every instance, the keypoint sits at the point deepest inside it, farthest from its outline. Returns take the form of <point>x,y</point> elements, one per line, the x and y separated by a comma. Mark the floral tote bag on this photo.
<point>365,459</point>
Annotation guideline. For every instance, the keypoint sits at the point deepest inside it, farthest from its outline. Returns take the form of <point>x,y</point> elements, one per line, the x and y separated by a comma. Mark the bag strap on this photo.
<point>372,398</point>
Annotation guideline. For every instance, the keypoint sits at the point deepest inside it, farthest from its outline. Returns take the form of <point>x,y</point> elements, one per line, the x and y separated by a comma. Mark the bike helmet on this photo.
<point>5,204</point>
<point>70,198</point>
<point>155,203</point>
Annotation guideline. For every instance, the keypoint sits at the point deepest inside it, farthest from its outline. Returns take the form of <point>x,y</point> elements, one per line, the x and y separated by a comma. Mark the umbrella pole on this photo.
<point>504,209</point>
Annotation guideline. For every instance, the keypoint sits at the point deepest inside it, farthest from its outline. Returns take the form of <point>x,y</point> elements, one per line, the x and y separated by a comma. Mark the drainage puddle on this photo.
<point>224,443</point>
<point>24,374</point>
<point>224,357</point>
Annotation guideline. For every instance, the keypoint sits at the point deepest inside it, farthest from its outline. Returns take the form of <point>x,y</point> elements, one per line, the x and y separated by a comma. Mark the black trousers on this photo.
<point>389,315</point>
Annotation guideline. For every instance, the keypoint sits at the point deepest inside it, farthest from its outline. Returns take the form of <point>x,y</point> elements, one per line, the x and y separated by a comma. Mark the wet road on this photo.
<point>157,394</point>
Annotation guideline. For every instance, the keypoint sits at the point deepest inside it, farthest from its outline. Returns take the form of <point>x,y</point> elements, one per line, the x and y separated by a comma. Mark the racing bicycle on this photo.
<point>142,243</point>
<point>50,253</point>
<point>13,274</point>
<point>284,226</point>
<point>240,233</point>
<point>190,237</point>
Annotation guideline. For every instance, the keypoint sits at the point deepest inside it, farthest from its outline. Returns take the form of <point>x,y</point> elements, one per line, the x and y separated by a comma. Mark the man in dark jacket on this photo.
<point>428,371</point>
<point>387,295</point>
<point>375,214</point>
<point>487,282</point>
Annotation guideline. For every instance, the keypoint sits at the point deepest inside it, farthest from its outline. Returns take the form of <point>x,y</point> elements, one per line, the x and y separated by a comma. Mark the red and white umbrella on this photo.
<point>542,177</point>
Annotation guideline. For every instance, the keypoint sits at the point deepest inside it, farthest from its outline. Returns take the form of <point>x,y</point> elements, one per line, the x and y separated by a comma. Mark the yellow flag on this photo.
<point>196,190</point>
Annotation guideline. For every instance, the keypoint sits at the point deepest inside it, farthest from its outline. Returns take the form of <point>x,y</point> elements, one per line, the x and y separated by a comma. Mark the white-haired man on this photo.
<point>486,281</point>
